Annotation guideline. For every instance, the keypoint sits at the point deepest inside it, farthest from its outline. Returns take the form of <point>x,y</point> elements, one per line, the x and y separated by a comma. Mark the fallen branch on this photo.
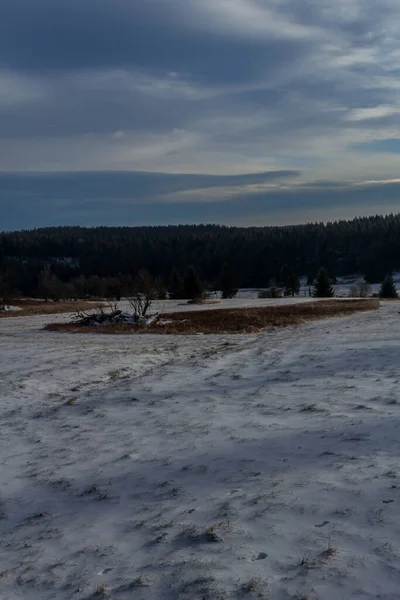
<point>115,317</point>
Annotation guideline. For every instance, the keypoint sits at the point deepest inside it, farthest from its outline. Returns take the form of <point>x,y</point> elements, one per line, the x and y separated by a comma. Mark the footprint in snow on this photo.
<point>321,524</point>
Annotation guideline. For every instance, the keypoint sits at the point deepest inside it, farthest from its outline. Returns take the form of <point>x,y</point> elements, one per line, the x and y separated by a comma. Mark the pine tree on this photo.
<point>192,286</point>
<point>227,282</point>
<point>375,271</point>
<point>290,281</point>
<point>388,288</point>
<point>323,286</point>
<point>175,285</point>
<point>4,293</point>
<point>161,290</point>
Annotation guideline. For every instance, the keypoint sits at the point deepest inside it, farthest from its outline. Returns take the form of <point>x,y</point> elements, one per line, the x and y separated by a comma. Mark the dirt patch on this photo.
<point>231,320</point>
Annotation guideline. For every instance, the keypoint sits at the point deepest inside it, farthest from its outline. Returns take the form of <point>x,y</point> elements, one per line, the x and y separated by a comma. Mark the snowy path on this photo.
<point>164,467</point>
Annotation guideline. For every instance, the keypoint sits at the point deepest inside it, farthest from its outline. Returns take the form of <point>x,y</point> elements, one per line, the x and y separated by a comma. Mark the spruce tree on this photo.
<point>227,282</point>
<point>290,281</point>
<point>192,286</point>
<point>175,286</point>
<point>4,289</point>
<point>388,288</point>
<point>323,286</point>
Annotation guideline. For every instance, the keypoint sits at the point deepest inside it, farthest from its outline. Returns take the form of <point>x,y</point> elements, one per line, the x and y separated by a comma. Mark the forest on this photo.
<point>102,261</point>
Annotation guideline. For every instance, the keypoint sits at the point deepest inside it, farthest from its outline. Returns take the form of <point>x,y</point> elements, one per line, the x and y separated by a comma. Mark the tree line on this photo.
<point>104,261</point>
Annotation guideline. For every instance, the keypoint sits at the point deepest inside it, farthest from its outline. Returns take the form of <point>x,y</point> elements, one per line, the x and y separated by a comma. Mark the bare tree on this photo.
<point>113,306</point>
<point>144,292</point>
<point>360,289</point>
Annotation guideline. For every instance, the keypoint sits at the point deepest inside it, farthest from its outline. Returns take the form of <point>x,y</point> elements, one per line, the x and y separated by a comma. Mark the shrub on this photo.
<point>360,289</point>
<point>271,292</point>
<point>145,290</point>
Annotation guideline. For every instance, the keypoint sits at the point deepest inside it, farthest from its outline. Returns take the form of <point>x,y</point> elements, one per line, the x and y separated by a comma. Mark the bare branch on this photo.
<point>143,294</point>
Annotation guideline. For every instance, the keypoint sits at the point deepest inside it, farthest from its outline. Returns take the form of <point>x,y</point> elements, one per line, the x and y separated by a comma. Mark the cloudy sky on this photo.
<point>244,112</point>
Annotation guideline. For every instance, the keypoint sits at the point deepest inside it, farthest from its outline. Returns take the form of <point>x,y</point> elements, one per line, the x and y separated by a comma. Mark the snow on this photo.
<point>243,301</point>
<point>12,308</point>
<point>194,467</point>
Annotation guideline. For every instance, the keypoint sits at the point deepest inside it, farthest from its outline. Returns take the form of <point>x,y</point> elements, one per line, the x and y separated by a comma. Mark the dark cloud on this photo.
<point>114,199</point>
<point>391,146</point>
<point>186,86</point>
<point>74,109</point>
<point>135,186</point>
<point>148,35</point>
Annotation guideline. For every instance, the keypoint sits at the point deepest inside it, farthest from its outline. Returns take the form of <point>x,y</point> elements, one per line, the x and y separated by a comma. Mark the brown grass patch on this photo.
<point>35,307</point>
<point>232,320</point>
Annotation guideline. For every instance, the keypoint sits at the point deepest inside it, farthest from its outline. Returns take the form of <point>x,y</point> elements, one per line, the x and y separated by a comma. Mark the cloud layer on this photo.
<point>209,87</point>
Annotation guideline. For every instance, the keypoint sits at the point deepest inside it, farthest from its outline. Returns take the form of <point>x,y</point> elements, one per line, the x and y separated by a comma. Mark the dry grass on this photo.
<point>100,591</point>
<point>232,320</point>
<point>329,552</point>
<point>253,586</point>
<point>39,307</point>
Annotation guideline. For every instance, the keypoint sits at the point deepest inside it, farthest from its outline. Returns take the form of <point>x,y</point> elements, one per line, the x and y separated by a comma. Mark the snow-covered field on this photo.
<point>201,467</point>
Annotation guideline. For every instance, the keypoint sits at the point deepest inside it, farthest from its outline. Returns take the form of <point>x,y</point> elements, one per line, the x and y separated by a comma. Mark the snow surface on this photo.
<point>11,309</point>
<point>248,300</point>
<point>201,467</point>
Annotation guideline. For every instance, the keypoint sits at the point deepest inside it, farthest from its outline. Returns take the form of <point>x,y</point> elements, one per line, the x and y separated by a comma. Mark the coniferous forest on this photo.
<point>102,261</point>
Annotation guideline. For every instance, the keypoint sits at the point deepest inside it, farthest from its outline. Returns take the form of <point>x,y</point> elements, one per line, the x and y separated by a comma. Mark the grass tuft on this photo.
<point>100,591</point>
<point>329,552</point>
<point>253,586</point>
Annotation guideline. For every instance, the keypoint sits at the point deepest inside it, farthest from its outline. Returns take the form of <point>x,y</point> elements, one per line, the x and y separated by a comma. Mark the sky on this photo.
<point>240,112</point>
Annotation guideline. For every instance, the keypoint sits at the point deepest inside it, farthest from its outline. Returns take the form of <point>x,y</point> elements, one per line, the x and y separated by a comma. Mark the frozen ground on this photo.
<point>203,467</point>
